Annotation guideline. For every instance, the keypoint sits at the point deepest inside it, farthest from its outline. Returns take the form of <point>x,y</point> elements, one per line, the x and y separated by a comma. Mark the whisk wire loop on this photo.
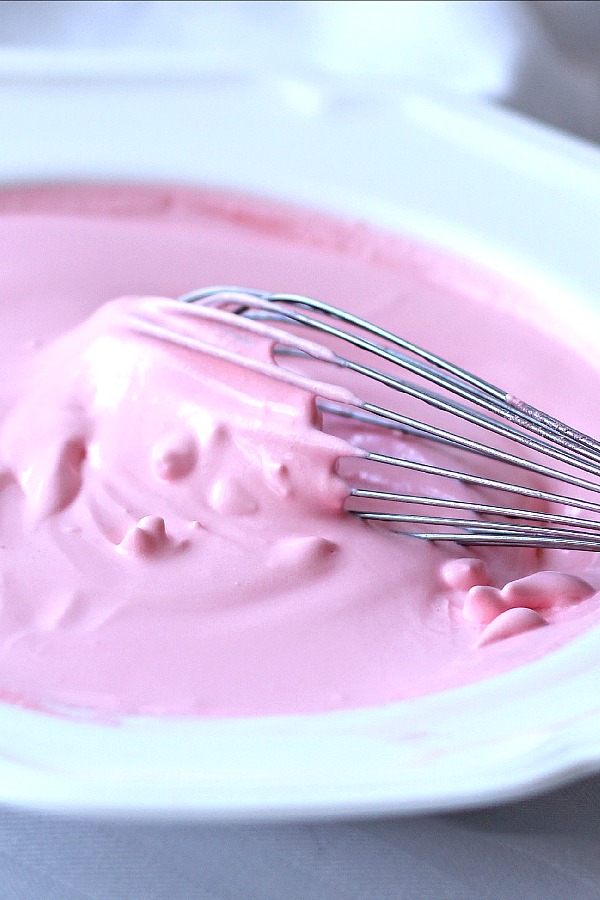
<point>504,415</point>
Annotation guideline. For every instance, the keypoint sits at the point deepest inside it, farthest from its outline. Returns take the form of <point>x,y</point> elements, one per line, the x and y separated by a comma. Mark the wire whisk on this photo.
<point>538,440</point>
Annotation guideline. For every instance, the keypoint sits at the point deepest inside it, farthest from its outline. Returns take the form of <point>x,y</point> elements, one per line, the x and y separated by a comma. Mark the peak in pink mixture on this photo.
<point>173,537</point>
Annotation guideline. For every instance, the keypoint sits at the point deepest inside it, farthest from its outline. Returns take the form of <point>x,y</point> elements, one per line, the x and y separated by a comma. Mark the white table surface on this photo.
<point>546,847</point>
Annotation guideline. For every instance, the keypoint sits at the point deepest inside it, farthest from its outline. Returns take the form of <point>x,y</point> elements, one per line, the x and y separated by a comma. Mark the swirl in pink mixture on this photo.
<point>172,525</point>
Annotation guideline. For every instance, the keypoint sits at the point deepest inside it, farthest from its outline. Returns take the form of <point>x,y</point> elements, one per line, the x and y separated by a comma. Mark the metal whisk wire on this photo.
<point>503,415</point>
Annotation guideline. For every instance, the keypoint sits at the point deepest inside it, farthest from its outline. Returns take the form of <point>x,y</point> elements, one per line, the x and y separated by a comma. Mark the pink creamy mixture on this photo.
<point>172,525</point>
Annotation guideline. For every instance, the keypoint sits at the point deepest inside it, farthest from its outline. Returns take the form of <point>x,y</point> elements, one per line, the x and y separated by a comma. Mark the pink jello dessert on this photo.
<point>173,531</point>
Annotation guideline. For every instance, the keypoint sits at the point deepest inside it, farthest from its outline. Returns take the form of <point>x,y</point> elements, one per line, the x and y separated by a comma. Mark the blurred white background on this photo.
<point>541,58</point>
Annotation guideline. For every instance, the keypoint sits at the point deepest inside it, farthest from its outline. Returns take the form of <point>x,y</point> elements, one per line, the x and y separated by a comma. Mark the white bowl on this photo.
<point>515,197</point>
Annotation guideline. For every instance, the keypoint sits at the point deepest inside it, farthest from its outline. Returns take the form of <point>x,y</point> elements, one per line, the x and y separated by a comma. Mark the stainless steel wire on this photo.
<point>448,388</point>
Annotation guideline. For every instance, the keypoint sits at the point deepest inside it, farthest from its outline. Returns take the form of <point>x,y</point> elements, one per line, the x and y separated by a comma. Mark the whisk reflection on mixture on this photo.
<point>556,519</point>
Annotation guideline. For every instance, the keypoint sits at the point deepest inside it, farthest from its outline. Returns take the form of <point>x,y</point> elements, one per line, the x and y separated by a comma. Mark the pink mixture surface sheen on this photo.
<point>173,532</point>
